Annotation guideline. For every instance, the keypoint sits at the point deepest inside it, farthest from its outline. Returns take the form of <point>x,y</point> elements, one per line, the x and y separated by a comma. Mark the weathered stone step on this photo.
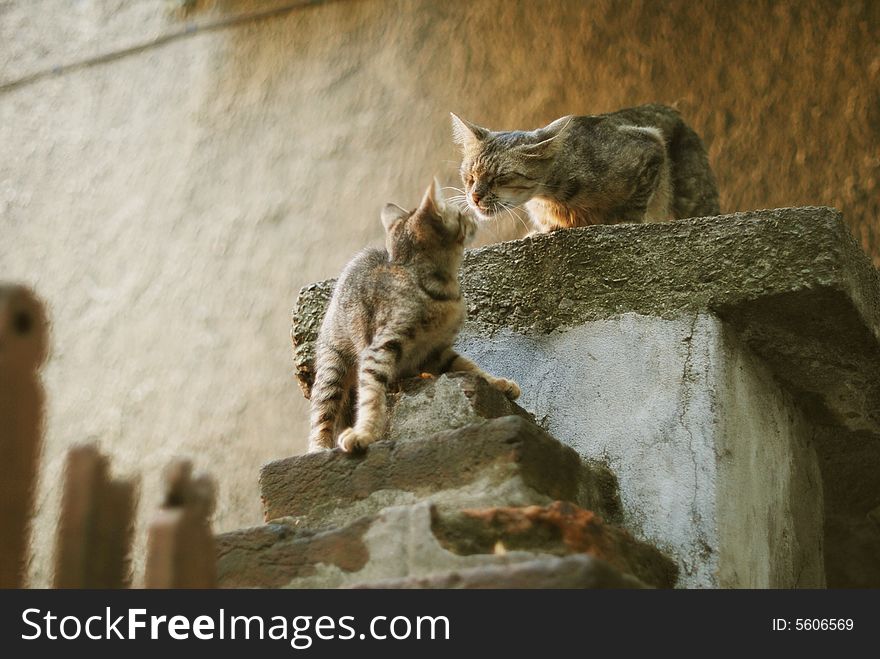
<point>425,405</point>
<point>422,542</point>
<point>422,406</point>
<point>560,528</point>
<point>507,461</point>
<point>570,572</point>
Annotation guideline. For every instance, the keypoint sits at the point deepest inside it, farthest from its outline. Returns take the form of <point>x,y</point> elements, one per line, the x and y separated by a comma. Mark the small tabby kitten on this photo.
<point>635,165</point>
<point>394,314</point>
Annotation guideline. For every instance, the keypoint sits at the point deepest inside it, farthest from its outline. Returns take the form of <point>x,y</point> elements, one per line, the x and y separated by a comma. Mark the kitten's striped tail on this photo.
<point>328,396</point>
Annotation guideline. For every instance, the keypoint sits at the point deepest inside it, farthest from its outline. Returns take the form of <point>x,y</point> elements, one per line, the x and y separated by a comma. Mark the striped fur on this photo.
<point>394,313</point>
<point>640,164</point>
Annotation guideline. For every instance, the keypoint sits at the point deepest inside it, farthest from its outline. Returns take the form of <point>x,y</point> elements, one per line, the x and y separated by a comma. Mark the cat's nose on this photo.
<point>476,198</point>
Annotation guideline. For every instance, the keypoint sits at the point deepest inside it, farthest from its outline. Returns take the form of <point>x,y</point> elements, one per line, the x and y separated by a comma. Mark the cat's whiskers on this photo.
<point>512,210</point>
<point>510,215</point>
<point>500,206</point>
<point>460,201</point>
<point>452,187</point>
<point>515,213</point>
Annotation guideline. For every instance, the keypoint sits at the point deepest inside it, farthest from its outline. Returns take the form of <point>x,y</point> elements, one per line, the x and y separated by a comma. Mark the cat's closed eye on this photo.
<point>511,182</point>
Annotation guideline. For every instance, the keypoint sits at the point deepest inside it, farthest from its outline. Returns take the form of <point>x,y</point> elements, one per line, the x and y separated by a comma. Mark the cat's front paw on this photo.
<point>508,387</point>
<point>351,440</point>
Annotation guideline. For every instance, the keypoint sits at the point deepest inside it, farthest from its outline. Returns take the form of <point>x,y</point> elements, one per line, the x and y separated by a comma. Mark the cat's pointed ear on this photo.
<point>555,128</point>
<point>433,201</point>
<point>548,139</point>
<point>465,133</point>
<point>437,194</point>
<point>391,213</point>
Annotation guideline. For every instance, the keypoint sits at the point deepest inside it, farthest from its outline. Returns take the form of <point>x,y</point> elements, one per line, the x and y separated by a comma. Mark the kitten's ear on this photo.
<point>465,133</point>
<point>433,200</point>
<point>391,213</point>
<point>548,138</point>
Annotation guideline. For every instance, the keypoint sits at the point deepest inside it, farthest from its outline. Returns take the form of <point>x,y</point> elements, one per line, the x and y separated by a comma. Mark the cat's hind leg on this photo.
<point>651,196</point>
<point>450,361</point>
<point>378,366</point>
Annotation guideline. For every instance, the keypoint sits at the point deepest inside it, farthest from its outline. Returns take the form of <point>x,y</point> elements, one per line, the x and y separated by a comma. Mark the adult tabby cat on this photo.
<point>394,313</point>
<point>634,165</point>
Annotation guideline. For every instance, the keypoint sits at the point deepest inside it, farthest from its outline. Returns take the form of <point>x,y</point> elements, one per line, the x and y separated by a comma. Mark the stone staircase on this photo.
<point>467,491</point>
<point>714,387</point>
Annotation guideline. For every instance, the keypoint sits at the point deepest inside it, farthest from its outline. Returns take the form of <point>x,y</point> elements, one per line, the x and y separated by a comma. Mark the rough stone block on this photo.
<point>274,555</point>
<point>549,572</point>
<point>96,524</point>
<point>23,342</point>
<point>425,406</point>
<point>506,461</point>
<point>417,541</point>
<point>560,528</point>
<point>306,318</point>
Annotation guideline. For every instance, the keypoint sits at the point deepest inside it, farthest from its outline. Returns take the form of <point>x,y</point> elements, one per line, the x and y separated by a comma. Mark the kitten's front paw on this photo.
<point>508,387</point>
<point>351,440</point>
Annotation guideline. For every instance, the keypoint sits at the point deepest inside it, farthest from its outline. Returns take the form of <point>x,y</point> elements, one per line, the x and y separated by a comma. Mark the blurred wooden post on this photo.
<point>23,344</point>
<point>180,546</point>
<point>96,524</point>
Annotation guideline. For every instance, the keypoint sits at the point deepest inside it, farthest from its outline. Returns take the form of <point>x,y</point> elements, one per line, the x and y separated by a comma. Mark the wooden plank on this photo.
<point>23,343</point>
<point>180,545</point>
<point>95,528</point>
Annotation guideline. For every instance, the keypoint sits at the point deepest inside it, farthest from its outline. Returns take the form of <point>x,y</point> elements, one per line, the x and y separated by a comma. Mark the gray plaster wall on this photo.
<point>714,462</point>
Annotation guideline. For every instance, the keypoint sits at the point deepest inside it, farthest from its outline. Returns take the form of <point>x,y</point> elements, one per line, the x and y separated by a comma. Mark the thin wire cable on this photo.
<point>188,30</point>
